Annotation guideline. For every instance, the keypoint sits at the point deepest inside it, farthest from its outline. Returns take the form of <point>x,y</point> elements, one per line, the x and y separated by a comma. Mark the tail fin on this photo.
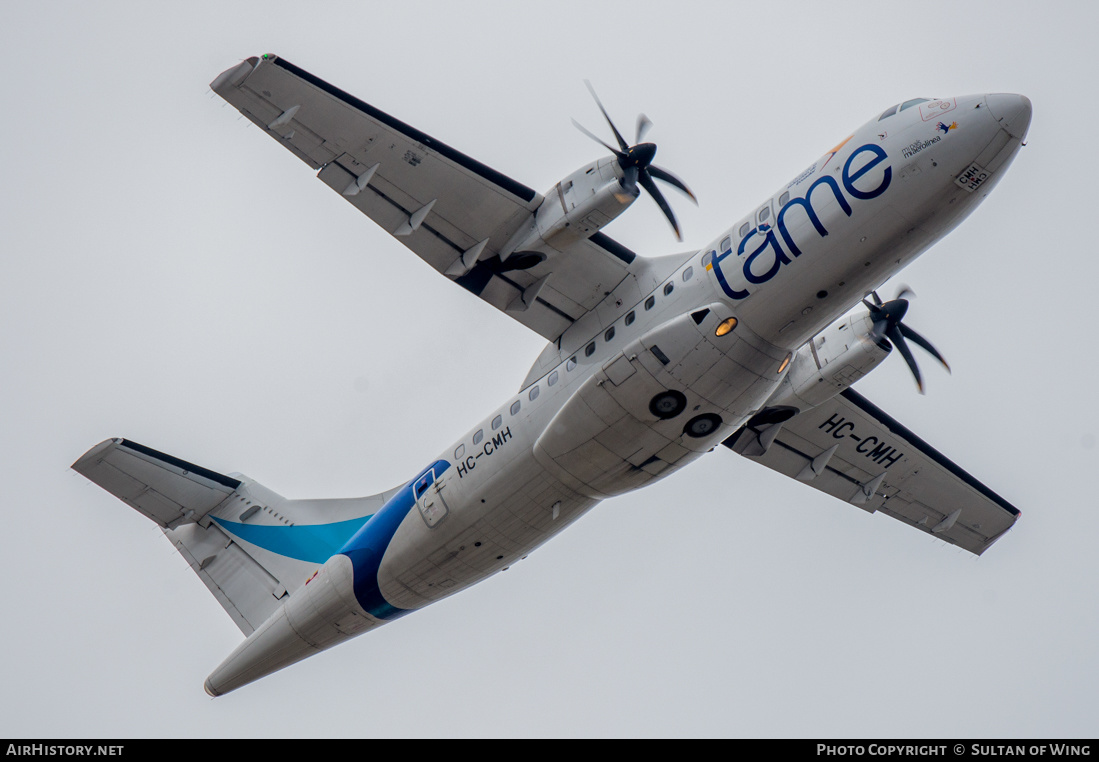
<point>250,546</point>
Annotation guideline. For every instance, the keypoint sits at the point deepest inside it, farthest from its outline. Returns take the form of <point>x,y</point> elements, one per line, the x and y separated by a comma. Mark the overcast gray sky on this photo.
<point>173,276</point>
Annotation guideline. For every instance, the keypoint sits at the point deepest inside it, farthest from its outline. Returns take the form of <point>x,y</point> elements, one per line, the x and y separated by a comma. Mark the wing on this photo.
<point>852,450</point>
<point>454,212</point>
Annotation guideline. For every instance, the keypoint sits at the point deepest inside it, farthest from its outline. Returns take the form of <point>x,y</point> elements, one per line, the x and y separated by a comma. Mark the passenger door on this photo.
<point>429,498</point>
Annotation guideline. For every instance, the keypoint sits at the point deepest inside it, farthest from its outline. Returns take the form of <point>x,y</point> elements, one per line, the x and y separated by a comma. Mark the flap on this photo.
<point>168,490</point>
<point>451,210</point>
<point>849,448</point>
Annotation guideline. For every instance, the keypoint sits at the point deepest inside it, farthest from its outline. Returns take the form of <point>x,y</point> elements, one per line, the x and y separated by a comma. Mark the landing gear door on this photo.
<point>429,498</point>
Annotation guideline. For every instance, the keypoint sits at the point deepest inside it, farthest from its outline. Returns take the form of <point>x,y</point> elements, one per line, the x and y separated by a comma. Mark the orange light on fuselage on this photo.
<point>725,326</point>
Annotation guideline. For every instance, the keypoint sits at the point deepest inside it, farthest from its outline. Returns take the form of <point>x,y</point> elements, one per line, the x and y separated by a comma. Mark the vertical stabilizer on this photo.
<point>250,546</point>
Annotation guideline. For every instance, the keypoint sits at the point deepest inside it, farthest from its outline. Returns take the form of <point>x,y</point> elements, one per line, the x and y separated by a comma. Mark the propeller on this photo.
<point>636,163</point>
<point>887,319</point>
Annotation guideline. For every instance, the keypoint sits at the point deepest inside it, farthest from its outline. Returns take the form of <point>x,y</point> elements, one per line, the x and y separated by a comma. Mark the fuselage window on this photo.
<point>533,394</point>
<point>478,436</point>
<point>764,213</point>
<point>784,198</point>
<point>515,407</point>
<point>913,102</point>
<point>460,451</point>
<point>552,379</point>
<point>609,334</point>
<point>727,244</point>
<point>668,289</point>
<point>630,317</point>
<point>889,112</point>
<point>571,363</point>
<point>688,273</point>
<point>707,258</point>
<point>497,421</point>
<point>589,350</point>
<point>742,232</point>
<point>650,302</point>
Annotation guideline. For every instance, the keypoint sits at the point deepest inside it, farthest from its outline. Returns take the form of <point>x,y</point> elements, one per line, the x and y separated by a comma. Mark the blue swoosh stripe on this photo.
<point>314,543</point>
<point>369,544</point>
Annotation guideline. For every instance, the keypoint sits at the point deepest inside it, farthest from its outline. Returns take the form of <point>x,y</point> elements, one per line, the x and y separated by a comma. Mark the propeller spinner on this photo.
<point>887,324</point>
<point>636,163</point>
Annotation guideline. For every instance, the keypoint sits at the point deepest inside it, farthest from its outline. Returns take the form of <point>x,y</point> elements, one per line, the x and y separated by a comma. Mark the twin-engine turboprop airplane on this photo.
<point>752,342</point>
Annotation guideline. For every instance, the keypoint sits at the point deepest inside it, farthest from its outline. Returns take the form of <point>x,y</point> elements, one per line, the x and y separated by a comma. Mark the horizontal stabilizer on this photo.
<point>250,546</point>
<point>168,490</point>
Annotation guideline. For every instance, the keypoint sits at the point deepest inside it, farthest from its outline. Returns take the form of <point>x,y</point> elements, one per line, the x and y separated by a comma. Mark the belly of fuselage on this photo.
<point>495,516</point>
<point>605,438</point>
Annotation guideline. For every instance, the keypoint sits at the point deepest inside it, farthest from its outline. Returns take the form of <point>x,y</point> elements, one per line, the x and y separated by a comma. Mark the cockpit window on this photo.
<point>889,112</point>
<point>913,102</point>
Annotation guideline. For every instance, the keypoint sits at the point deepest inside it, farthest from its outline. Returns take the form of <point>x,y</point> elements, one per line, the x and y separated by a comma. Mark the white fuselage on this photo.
<point>642,386</point>
<point>589,436</point>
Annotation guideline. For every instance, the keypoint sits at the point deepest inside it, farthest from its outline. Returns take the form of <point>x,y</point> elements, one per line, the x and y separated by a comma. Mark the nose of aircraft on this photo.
<point>1011,111</point>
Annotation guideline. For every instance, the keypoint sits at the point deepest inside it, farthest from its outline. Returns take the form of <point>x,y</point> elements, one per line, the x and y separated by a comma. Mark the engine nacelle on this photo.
<point>830,362</point>
<point>574,208</point>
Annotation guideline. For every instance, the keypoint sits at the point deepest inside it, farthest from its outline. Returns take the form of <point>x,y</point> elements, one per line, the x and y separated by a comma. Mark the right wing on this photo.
<point>452,211</point>
<point>849,448</point>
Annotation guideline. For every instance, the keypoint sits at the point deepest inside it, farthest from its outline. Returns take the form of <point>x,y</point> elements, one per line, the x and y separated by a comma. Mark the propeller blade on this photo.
<point>668,177</point>
<point>584,130</point>
<point>898,341</point>
<point>880,323</point>
<point>618,136</point>
<point>636,163</point>
<point>647,183</point>
<point>629,180</point>
<point>877,299</point>
<point>921,341</point>
<point>904,292</point>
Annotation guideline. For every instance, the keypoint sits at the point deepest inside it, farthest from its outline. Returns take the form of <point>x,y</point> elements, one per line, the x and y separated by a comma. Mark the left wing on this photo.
<point>452,211</point>
<point>849,448</point>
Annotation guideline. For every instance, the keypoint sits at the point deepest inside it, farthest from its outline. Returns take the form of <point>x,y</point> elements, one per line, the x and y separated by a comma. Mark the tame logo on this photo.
<point>765,261</point>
